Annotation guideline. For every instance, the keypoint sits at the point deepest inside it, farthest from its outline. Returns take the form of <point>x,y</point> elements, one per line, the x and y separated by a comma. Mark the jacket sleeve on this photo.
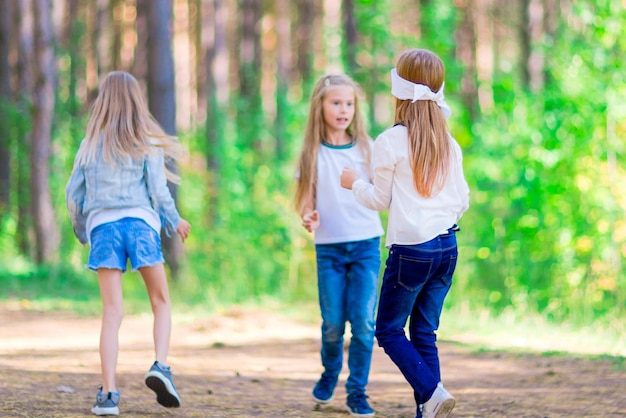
<point>160,196</point>
<point>74,200</point>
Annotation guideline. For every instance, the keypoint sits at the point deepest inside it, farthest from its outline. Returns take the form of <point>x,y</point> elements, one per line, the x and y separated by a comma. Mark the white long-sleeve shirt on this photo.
<point>413,219</point>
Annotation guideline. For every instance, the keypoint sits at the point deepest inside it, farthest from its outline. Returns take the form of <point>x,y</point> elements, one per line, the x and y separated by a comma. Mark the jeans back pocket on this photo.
<point>413,272</point>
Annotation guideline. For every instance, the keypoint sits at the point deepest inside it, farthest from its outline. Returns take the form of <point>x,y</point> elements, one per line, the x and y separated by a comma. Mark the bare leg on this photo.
<point>156,284</point>
<point>112,312</point>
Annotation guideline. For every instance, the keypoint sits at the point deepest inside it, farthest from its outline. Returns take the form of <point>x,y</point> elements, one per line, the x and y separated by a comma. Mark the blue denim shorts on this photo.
<point>114,243</point>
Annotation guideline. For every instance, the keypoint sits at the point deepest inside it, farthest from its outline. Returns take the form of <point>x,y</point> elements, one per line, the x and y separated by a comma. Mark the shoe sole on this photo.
<point>166,394</point>
<point>324,401</point>
<point>356,414</point>
<point>105,411</point>
<point>444,409</point>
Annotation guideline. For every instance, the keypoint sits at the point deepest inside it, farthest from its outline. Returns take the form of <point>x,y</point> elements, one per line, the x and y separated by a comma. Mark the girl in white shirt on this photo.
<point>418,177</point>
<point>347,236</point>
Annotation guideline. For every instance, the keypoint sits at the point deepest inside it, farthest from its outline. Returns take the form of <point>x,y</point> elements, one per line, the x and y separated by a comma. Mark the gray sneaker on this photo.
<point>159,379</point>
<point>106,404</point>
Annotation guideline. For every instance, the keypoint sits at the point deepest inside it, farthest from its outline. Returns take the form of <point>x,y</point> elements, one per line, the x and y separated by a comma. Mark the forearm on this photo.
<point>161,198</point>
<point>367,195</point>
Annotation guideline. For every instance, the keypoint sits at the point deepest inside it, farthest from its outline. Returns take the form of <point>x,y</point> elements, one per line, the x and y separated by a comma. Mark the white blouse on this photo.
<point>413,219</point>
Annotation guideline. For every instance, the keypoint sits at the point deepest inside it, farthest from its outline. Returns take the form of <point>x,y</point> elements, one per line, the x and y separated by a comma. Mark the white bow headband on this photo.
<point>406,90</point>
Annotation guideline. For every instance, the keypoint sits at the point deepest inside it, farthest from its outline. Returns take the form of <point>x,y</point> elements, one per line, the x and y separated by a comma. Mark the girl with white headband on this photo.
<point>418,177</point>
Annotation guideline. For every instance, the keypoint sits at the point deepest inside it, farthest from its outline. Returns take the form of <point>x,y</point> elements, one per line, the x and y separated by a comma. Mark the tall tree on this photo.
<point>283,64</point>
<point>24,35</point>
<point>198,53</point>
<point>116,22</point>
<point>5,95</point>
<point>216,81</point>
<point>485,51</point>
<point>104,36</point>
<point>71,38</point>
<point>249,111</point>
<point>466,53</point>
<point>530,33</point>
<point>140,63</point>
<point>350,35</point>
<point>306,10</point>
<point>46,230</point>
<point>162,99</point>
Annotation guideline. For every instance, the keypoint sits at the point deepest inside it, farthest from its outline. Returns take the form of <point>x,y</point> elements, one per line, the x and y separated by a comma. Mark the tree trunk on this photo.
<point>525,42</point>
<point>485,62</point>
<point>5,96</point>
<point>104,37</point>
<point>250,112</point>
<point>350,32</point>
<point>283,60</point>
<point>162,100</point>
<point>116,34</point>
<point>466,53</point>
<point>216,93</point>
<point>25,59</point>
<point>46,231</point>
<point>89,51</point>
<point>140,63</point>
<point>182,32</point>
<point>250,50</point>
<point>71,41</point>
<point>198,49</point>
<point>552,10</point>
<point>532,33</point>
<point>306,17</point>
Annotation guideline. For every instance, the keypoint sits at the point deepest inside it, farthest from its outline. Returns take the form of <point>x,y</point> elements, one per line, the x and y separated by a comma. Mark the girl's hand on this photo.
<point>348,177</point>
<point>183,229</point>
<point>311,220</point>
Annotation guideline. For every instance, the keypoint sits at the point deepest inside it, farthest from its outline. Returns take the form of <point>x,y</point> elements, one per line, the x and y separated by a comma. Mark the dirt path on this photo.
<point>259,364</point>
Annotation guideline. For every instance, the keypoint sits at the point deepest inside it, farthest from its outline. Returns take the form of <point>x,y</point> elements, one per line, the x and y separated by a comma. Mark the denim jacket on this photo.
<point>129,183</point>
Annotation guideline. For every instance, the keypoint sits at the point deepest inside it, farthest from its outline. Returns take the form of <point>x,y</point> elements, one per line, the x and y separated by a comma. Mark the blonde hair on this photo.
<point>316,132</point>
<point>121,126</point>
<point>429,142</point>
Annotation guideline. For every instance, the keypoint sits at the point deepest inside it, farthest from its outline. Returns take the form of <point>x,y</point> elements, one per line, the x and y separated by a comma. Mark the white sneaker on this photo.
<point>439,405</point>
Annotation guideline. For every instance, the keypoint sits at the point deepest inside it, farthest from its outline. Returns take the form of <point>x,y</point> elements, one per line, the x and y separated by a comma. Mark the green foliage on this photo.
<point>253,245</point>
<point>59,286</point>
<point>546,217</point>
<point>545,232</point>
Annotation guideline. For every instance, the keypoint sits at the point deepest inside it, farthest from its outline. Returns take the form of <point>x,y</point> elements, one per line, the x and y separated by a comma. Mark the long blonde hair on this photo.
<point>121,126</point>
<point>316,132</point>
<point>429,143</point>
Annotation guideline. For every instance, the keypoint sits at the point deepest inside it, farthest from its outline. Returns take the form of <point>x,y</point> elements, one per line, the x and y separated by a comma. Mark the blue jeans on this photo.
<point>415,283</point>
<point>347,279</point>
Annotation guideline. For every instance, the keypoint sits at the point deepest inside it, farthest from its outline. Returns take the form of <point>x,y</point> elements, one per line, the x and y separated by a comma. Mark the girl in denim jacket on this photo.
<point>418,176</point>
<point>118,200</point>
<point>347,236</point>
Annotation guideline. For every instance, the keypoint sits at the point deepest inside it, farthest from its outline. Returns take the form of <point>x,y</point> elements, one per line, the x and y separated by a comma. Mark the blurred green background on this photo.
<point>537,90</point>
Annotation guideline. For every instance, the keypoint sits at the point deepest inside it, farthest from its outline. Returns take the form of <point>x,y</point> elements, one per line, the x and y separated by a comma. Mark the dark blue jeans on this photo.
<point>347,279</point>
<point>415,283</point>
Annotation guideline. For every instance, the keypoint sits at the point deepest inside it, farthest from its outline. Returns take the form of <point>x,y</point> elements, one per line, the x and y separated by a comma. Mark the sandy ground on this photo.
<point>251,363</point>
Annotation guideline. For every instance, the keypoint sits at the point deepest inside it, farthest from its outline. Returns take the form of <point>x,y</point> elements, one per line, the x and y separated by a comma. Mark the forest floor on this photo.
<point>257,363</point>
